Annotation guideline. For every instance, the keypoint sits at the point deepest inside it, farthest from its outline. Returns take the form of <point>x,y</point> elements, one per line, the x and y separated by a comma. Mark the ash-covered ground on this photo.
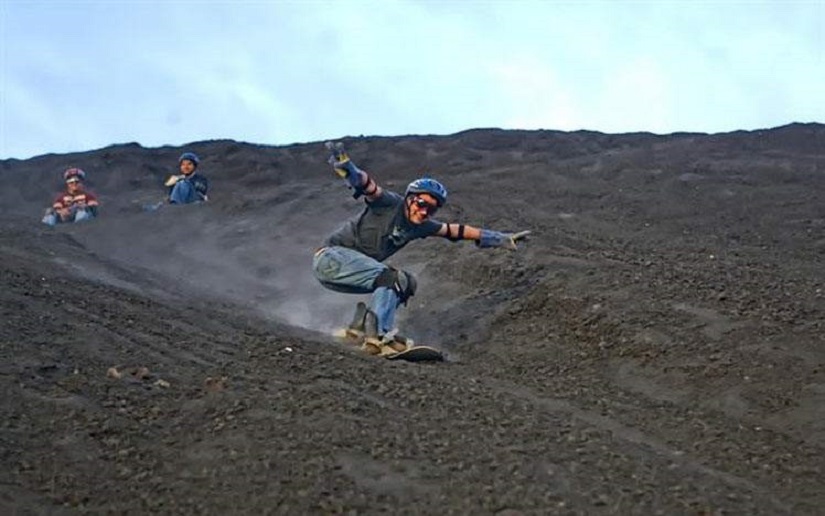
<point>656,347</point>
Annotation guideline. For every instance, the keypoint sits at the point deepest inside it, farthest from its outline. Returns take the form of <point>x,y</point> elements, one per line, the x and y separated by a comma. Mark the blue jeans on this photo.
<point>52,218</point>
<point>183,193</point>
<point>348,271</point>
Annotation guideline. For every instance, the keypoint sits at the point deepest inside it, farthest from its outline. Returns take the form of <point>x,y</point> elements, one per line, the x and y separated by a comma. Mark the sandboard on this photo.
<point>413,354</point>
<point>417,354</point>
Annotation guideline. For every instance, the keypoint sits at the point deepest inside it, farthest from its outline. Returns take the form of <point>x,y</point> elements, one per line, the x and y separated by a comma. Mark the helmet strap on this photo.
<point>408,202</point>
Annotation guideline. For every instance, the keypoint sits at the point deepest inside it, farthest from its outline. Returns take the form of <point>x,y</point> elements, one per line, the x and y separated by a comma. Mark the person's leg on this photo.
<point>392,288</point>
<point>51,219</point>
<point>82,215</point>
<point>345,270</point>
<point>384,304</point>
<point>182,193</point>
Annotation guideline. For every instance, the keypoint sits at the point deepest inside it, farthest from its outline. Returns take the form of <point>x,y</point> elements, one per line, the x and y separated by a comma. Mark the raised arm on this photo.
<point>360,182</point>
<point>482,237</point>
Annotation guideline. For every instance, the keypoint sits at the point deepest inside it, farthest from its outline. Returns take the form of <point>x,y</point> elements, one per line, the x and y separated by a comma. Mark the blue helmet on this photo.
<point>430,186</point>
<point>191,156</point>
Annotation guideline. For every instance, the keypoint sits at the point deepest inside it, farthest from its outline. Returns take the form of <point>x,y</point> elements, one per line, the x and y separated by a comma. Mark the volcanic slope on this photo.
<point>656,347</point>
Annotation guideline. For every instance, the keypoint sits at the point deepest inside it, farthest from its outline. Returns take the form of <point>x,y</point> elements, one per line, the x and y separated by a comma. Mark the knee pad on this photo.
<point>402,282</point>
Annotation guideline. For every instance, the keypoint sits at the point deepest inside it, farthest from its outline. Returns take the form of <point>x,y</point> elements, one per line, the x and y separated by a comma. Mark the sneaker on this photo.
<point>396,342</point>
<point>404,340</point>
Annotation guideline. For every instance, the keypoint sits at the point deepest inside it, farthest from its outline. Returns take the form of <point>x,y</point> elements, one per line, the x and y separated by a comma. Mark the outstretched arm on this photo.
<point>60,208</point>
<point>482,237</point>
<point>360,182</point>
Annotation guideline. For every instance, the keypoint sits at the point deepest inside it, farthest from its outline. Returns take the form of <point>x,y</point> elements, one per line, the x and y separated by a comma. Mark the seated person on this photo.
<point>188,186</point>
<point>75,204</point>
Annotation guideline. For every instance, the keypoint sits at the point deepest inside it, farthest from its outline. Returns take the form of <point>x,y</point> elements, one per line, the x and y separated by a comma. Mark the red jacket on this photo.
<point>81,199</point>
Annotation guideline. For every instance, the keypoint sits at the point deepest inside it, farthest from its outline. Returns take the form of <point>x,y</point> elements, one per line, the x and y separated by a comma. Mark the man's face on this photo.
<point>187,166</point>
<point>73,185</point>
<point>420,207</point>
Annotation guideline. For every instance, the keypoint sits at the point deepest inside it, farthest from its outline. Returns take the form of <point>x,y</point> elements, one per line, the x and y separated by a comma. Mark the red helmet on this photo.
<point>74,173</point>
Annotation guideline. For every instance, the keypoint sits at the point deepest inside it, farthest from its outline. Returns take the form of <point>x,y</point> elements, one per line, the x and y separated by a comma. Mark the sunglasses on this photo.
<point>426,207</point>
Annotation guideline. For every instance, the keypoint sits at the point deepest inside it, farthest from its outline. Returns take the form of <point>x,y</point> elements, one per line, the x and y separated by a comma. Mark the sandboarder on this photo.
<point>350,260</point>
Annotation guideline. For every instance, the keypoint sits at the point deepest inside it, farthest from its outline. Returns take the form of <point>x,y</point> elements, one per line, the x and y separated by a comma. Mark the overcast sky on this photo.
<point>81,75</point>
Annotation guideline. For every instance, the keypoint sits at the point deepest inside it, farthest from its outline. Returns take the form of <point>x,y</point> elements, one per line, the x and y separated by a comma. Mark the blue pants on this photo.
<point>52,218</point>
<point>183,193</point>
<point>348,271</point>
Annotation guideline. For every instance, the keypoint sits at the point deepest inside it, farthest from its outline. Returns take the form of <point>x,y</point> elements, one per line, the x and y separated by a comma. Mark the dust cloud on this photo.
<point>262,263</point>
